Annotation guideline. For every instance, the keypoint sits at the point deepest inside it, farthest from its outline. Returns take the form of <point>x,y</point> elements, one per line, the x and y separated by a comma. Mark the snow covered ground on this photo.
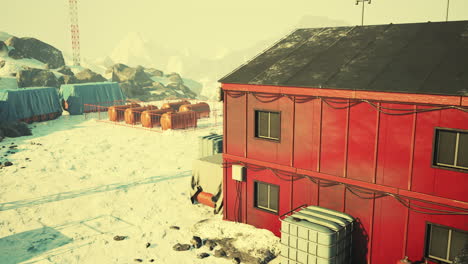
<point>76,183</point>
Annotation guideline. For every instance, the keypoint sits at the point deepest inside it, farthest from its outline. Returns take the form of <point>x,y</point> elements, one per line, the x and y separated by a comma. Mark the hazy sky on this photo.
<point>202,25</point>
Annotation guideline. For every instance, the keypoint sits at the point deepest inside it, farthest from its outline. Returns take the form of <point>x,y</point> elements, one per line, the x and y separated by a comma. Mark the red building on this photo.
<point>371,121</point>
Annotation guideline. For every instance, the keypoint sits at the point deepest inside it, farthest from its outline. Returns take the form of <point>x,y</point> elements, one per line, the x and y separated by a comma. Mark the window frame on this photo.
<point>255,194</point>
<point>427,241</point>
<point>434,163</point>
<point>256,125</point>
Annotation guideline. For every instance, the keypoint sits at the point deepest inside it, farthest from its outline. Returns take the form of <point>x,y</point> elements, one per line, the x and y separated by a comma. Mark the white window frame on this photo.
<point>450,230</point>
<point>436,156</point>
<point>268,197</point>
<point>269,125</point>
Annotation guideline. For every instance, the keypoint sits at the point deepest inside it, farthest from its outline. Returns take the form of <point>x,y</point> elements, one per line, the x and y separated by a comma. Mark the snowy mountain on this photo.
<point>135,49</point>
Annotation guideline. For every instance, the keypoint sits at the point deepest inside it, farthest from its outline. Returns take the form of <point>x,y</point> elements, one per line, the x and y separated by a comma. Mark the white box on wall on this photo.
<point>238,172</point>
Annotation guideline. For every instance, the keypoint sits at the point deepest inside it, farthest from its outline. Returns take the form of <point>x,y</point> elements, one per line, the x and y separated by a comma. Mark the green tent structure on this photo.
<point>75,96</point>
<point>29,104</point>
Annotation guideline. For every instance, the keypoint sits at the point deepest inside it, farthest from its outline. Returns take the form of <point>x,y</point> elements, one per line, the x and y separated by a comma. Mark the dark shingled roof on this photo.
<point>423,58</point>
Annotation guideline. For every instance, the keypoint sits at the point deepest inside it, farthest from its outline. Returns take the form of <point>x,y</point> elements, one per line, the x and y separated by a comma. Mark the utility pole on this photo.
<point>357,3</point>
<point>75,31</point>
<point>448,4</point>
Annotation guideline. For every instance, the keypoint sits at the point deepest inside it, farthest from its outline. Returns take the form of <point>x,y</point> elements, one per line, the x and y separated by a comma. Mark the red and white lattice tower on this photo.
<point>75,31</point>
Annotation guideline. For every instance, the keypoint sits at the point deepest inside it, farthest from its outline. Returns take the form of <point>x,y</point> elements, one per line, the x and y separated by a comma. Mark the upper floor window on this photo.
<point>267,125</point>
<point>451,148</point>
<point>266,196</point>
<point>444,243</point>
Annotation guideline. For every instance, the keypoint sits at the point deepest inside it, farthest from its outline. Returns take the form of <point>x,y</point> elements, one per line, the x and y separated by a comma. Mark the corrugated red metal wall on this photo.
<point>358,143</point>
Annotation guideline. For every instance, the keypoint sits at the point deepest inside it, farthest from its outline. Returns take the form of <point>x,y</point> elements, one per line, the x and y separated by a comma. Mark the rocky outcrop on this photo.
<point>67,79</point>
<point>65,70</point>
<point>35,49</point>
<point>174,78</point>
<point>123,73</point>
<point>87,76</point>
<point>3,49</point>
<point>31,77</point>
<point>154,72</point>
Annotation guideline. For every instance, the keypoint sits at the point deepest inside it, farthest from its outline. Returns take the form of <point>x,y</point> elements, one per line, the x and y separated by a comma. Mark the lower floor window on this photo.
<point>266,196</point>
<point>444,243</point>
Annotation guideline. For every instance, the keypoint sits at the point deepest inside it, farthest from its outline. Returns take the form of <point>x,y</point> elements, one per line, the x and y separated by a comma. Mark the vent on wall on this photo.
<point>238,172</point>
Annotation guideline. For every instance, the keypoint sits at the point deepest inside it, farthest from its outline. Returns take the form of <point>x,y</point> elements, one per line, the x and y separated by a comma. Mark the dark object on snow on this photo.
<point>14,129</point>
<point>220,253</point>
<point>210,244</point>
<point>181,247</point>
<point>174,227</point>
<point>151,260</point>
<point>13,146</point>
<point>2,63</point>
<point>119,238</point>
<point>8,163</point>
<point>36,49</point>
<point>196,241</point>
<point>203,255</point>
<point>148,245</point>
<point>138,260</point>
<point>236,260</point>
<point>32,77</point>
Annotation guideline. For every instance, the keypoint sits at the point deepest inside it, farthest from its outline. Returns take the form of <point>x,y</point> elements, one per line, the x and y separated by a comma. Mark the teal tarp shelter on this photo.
<point>25,103</point>
<point>102,93</point>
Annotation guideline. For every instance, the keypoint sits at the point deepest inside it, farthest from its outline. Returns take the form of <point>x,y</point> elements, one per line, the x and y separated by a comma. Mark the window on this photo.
<point>451,148</point>
<point>444,243</point>
<point>267,125</point>
<point>266,196</point>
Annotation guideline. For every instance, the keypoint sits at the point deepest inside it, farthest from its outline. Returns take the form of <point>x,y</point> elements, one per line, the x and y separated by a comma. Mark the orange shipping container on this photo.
<point>202,109</point>
<point>151,118</point>
<point>175,106</point>
<point>132,115</point>
<point>116,112</point>
<point>180,120</point>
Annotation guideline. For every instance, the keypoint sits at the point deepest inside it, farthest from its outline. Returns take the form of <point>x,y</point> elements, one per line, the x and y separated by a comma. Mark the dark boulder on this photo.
<point>181,247</point>
<point>2,63</point>
<point>15,54</point>
<point>14,129</point>
<point>31,77</point>
<point>196,242</point>
<point>36,49</point>
<point>88,76</point>
<point>203,255</point>
<point>3,49</point>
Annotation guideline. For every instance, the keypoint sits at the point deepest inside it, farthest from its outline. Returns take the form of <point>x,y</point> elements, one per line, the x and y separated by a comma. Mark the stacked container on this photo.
<point>316,235</point>
<point>116,112</point>
<point>152,118</point>
<point>132,115</point>
<point>179,120</point>
<point>202,109</point>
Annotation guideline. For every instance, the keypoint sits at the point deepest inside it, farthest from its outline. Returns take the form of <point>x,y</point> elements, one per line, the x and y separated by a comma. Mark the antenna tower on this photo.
<point>357,3</point>
<point>75,31</point>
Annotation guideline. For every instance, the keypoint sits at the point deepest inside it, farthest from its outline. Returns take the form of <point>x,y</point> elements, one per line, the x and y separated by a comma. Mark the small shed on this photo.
<point>39,103</point>
<point>75,96</point>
